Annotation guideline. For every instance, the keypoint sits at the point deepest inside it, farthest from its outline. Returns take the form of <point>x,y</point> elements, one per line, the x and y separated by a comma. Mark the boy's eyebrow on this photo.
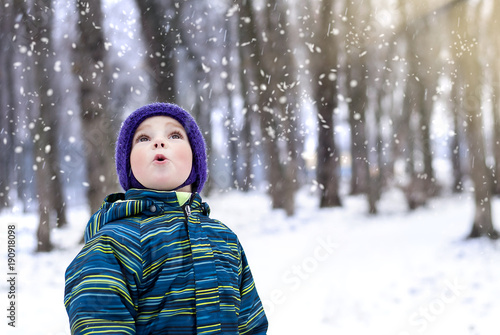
<point>170,123</point>
<point>174,124</point>
<point>139,129</point>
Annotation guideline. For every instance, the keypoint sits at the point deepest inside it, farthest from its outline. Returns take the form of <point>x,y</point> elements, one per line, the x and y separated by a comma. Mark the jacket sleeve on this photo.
<point>99,290</point>
<point>252,318</point>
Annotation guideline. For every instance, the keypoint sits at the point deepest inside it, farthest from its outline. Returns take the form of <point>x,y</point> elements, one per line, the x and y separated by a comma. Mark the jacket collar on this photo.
<point>118,206</point>
<point>171,197</point>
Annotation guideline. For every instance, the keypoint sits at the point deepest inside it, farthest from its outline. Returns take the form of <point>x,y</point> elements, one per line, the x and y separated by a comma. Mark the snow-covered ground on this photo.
<point>332,271</point>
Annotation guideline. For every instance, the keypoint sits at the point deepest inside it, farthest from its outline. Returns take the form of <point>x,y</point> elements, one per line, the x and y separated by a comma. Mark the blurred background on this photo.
<point>338,99</point>
<point>377,94</point>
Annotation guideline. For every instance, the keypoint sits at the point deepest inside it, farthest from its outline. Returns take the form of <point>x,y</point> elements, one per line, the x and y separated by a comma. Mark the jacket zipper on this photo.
<point>187,206</point>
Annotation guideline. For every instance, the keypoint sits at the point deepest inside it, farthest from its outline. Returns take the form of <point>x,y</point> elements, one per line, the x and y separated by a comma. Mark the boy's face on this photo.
<point>161,156</point>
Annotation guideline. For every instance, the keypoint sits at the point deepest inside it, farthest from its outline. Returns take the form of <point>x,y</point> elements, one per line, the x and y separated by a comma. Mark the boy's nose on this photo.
<point>159,144</point>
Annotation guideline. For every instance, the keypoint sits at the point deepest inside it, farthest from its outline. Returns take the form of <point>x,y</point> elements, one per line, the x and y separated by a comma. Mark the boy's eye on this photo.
<point>142,138</point>
<point>176,136</point>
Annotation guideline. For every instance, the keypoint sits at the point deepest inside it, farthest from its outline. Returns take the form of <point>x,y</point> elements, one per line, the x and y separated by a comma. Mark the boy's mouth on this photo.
<point>160,158</point>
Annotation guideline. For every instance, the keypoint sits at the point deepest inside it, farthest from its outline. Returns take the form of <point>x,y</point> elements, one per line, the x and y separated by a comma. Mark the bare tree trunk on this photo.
<point>247,149</point>
<point>49,188</point>
<point>425,176</point>
<point>359,150</point>
<point>22,106</point>
<point>381,167</point>
<point>43,188</point>
<point>375,181</point>
<point>356,87</point>
<point>44,223</point>
<point>455,144</point>
<point>496,131</point>
<point>279,175</point>
<point>227,64</point>
<point>327,168</point>
<point>428,75</point>
<point>492,40</point>
<point>245,76</point>
<point>325,94</point>
<point>403,131</point>
<point>201,112</point>
<point>7,99</point>
<point>418,107</point>
<point>98,127</point>
<point>159,21</point>
<point>232,143</point>
<point>278,63</point>
<point>428,174</point>
<point>414,190</point>
<point>468,61</point>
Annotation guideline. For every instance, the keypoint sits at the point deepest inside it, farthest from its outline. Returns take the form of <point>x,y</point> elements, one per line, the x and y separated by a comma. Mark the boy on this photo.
<point>153,261</point>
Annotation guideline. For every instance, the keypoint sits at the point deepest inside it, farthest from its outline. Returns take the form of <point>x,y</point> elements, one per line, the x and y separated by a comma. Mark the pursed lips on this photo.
<point>159,158</point>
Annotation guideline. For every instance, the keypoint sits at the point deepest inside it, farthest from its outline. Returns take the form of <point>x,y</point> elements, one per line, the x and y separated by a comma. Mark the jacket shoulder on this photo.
<point>114,208</point>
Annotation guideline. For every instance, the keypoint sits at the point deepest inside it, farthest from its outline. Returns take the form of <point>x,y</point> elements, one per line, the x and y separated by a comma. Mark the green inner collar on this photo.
<point>183,197</point>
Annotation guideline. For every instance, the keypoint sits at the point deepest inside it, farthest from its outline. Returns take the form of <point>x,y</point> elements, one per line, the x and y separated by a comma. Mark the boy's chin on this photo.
<point>186,188</point>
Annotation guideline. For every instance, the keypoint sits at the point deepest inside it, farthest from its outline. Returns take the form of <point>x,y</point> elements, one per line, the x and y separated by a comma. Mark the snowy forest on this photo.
<point>358,140</point>
<point>289,93</point>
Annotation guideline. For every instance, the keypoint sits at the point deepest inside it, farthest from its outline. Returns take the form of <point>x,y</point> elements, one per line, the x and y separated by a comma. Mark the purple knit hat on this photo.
<point>198,174</point>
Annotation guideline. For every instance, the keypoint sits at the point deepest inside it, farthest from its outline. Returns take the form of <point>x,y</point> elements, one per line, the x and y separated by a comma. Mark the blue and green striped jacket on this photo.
<point>152,265</point>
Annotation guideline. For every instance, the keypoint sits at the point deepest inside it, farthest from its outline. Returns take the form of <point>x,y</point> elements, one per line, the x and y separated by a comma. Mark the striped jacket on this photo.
<point>153,265</point>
